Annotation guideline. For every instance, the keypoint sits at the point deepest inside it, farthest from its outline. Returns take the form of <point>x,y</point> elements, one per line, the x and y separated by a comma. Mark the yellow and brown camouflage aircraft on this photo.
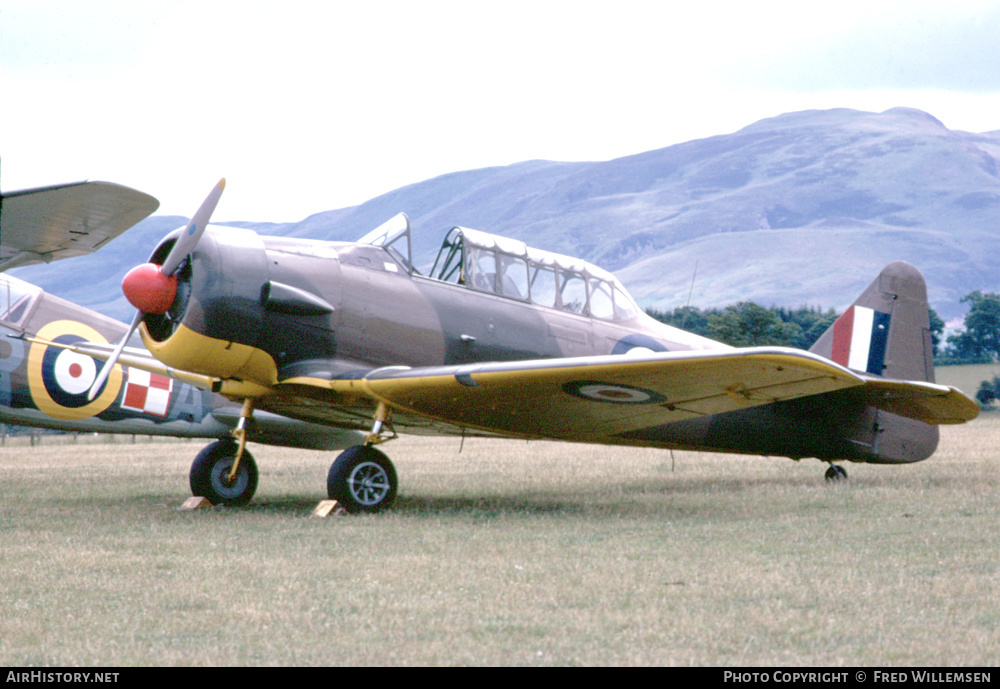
<point>500,339</point>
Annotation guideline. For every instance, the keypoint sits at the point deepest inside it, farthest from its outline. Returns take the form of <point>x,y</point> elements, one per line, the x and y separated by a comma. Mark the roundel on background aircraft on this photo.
<point>60,379</point>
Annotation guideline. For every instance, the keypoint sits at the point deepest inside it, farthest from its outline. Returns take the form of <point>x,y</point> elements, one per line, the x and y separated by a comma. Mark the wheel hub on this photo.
<point>220,477</point>
<point>369,483</point>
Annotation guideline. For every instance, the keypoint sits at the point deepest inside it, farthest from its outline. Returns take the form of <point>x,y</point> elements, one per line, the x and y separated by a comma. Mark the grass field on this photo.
<point>507,553</point>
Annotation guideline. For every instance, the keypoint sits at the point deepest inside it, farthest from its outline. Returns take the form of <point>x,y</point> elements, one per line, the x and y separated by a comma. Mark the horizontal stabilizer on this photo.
<point>927,402</point>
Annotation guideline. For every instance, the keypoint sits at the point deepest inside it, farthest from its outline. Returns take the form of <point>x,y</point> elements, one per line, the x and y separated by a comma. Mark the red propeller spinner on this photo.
<point>148,289</point>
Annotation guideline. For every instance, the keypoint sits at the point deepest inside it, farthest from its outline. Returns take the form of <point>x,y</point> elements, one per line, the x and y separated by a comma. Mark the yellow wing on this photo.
<point>587,399</point>
<point>593,398</point>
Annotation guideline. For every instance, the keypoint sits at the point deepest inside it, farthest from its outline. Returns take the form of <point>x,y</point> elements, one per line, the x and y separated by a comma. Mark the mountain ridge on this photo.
<point>803,208</point>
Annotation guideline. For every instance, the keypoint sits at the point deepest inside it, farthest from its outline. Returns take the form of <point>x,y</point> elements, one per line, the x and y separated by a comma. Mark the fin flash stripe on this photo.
<point>860,337</point>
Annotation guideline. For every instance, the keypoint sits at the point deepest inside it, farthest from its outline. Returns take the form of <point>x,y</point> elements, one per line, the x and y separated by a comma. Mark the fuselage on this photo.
<point>266,313</point>
<point>354,306</point>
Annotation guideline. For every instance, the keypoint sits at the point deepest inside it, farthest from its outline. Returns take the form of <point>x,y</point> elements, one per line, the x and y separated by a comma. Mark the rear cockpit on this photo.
<point>507,267</point>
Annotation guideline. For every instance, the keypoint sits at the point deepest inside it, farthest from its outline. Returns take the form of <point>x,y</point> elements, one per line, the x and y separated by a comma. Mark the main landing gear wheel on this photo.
<point>836,473</point>
<point>362,479</point>
<point>210,474</point>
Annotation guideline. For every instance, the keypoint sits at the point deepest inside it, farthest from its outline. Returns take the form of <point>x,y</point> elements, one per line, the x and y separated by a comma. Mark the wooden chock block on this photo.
<point>195,502</point>
<point>328,508</point>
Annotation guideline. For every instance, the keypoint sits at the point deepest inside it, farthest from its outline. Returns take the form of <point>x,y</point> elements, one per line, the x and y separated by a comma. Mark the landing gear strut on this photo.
<point>836,473</point>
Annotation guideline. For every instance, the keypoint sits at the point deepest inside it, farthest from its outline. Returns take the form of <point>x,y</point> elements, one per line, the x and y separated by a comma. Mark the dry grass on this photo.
<point>508,553</point>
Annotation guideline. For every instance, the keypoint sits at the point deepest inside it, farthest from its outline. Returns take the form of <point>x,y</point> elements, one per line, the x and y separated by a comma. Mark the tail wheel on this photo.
<point>362,479</point>
<point>210,475</point>
<point>836,473</point>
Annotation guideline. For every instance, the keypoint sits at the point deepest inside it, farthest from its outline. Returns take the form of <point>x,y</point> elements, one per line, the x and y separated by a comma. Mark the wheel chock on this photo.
<point>328,508</point>
<point>195,502</point>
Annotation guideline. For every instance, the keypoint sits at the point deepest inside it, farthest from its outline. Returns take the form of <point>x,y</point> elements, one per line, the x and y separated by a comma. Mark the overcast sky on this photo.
<point>310,106</point>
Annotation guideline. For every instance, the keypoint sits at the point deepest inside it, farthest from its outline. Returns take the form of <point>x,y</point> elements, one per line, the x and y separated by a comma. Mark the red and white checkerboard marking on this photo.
<point>147,392</point>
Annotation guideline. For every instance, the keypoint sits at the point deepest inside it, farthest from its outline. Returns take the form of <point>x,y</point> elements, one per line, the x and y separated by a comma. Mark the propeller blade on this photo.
<point>105,371</point>
<point>189,237</point>
<point>155,295</point>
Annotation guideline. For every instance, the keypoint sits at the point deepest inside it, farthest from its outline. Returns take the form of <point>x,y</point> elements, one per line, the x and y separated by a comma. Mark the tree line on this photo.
<point>979,342</point>
<point>747,324</point>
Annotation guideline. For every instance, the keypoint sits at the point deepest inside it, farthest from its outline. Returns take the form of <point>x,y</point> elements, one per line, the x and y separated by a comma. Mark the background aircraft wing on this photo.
<point>594,398</point>
<point>50,223</point>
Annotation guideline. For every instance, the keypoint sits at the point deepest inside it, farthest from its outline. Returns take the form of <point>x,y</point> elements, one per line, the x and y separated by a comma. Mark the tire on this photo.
<point>211,468</point>
<point>362,480</point>
<point>836,473</point>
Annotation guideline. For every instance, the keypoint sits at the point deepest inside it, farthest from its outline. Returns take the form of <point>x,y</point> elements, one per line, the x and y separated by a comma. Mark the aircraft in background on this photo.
<point>500,339</point>
<point>61,221</point>
<point>47,387</point>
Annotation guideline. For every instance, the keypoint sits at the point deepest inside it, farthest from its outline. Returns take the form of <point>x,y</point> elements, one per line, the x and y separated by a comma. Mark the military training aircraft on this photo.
<point>500,339</point>
<point>46,387</point>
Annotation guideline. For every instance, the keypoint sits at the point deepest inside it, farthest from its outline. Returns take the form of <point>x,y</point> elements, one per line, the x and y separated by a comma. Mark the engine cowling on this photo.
<point>213,325</point>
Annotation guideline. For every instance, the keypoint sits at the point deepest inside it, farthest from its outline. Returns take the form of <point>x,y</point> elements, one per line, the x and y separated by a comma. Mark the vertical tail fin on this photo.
<point>886,331</point>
